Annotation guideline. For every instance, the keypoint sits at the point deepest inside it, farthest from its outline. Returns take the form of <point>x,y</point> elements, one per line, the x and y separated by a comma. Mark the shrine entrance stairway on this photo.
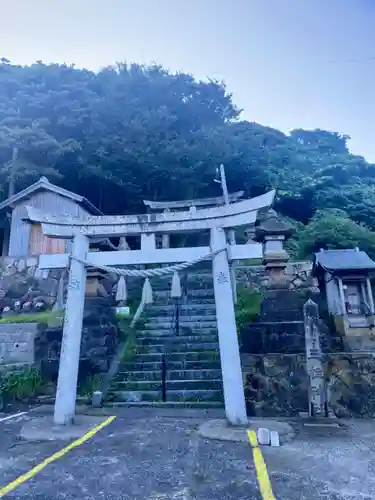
<point>177,361</point>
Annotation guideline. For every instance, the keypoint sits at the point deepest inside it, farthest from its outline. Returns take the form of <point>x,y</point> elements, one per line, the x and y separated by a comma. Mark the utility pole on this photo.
<point>231,234</point>
<point>12,175</point>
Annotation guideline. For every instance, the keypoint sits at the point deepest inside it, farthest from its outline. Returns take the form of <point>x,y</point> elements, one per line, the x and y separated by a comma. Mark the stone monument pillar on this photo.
<point>272,232</point>
<point>318,404</point>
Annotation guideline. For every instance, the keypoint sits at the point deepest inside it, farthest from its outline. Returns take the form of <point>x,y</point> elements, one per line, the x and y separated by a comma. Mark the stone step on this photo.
<point>171,365</point>
<point>194,365</point>
<point>144,386</point>
<point>173,339</point>
<point>206,292</point>
<point>205,374</point>
<point>185,310</point>
<point>170,332</point>
<point>195,395</point>
<point>184,347</point>
<point>186,395</point>
<point>192,385</point>
<point>186,287</point>
<point>155,375</point>
<point>139,366</point>
<point>170,385</point>
<point>133,396</point>
<point>189,277</point>
<point>195,300</point>
<point>201,300</point>
<point>212,355</point>
<point>193,325</point>
<point>176,339</point>
<point>167,404</point>
<point>183,318</point>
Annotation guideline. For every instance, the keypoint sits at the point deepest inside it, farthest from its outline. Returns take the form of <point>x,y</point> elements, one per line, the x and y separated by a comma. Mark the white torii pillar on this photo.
<point>234,396</point>
<point>65,403</point>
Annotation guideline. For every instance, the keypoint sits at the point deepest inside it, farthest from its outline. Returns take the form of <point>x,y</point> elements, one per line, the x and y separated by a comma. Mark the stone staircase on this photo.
<point>177,361</point>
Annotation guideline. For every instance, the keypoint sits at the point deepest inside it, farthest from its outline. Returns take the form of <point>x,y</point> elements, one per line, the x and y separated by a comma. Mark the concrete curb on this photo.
<point>221,430</point>
<point>43,428</point>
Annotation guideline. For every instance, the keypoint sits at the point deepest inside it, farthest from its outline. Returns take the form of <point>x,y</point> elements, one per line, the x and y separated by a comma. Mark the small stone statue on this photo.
<point>17,306</point>
<point>6,311</point>
<point>38,305</point>
<point>26,306</point>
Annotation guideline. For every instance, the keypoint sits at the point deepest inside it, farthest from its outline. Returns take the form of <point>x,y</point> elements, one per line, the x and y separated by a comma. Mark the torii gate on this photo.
<point>80,230</point>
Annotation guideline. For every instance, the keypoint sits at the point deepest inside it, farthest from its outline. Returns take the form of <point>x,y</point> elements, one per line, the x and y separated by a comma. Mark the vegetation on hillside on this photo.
<point>132,132</point>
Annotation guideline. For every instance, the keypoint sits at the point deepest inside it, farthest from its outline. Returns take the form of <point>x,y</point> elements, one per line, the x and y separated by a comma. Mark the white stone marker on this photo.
<point>235,407</point>
<point>96,399</point>
<point>263,436</point>
<point>275,439</point>
<point>71,342</point>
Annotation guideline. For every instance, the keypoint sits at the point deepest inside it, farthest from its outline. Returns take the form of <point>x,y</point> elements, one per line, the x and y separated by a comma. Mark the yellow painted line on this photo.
<point>261,468</point>
<point>21,479</point>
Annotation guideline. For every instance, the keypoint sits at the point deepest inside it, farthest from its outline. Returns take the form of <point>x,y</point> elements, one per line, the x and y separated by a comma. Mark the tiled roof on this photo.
<point>343,260</point>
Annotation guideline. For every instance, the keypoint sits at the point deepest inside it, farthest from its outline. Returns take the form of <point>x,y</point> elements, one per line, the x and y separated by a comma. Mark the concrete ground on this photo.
<point>158,455</point>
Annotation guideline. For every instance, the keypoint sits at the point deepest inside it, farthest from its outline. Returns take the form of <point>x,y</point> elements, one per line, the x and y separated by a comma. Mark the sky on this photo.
<point>289,63</point>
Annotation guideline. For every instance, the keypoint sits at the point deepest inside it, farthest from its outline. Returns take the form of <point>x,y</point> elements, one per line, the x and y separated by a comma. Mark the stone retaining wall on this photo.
<point>352,384</point>
<point>17,344</point>
<point>276,384</point>
<point>255,277</point>
<point>100,338</point>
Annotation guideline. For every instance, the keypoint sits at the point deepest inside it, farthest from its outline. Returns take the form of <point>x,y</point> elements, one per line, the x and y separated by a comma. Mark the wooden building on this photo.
<point>20,238</point>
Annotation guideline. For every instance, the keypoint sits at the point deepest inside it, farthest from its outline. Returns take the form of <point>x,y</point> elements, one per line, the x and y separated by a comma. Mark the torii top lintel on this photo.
<point>198,202</point>
<point>242,213</point>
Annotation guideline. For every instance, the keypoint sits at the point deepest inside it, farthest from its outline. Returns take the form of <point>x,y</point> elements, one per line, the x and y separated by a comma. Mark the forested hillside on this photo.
<point>133,132</point>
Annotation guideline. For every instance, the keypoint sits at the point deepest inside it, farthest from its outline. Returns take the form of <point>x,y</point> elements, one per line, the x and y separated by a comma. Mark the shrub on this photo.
<point>247,307</point>
<point>21,385</point>
<point>50,317</point>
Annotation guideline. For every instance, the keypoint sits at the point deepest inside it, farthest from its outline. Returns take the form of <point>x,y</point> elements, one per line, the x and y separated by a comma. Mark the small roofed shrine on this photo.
<point>345,277</point>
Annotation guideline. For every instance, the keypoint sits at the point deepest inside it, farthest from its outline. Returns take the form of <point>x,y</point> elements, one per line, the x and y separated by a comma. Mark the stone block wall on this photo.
<point>100,338</point>
<point>351,384</point>
<point>297,273</point>
<point>17,344</point>
<point>277,384</point>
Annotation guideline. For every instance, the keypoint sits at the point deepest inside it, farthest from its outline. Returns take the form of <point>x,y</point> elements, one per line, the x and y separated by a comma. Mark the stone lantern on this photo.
<point>94,279</point>
<point>273,232</point>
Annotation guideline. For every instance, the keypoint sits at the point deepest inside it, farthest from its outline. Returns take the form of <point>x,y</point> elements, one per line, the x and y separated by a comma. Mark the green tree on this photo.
<point>132,132</point>
<point>333,229</point>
